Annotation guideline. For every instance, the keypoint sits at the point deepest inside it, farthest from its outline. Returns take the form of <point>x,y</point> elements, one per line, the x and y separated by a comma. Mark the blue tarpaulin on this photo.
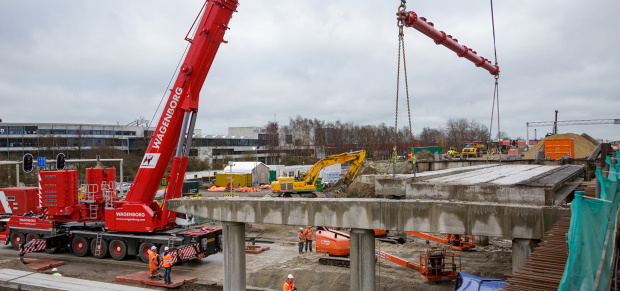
<point>469,282</point>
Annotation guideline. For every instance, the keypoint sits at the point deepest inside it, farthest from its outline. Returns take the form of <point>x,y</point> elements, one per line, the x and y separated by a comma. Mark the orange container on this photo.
<point>555,149</point>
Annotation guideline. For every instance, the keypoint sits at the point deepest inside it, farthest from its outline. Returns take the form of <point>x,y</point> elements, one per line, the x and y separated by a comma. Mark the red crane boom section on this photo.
<point>411,19</point>
<point>183,98</point>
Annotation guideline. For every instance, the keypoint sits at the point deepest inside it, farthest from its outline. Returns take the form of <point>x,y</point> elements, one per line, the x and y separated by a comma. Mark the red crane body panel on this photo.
<point>19,200</point>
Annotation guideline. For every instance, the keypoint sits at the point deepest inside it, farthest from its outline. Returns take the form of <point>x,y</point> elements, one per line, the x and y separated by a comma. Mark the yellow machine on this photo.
<point>453,152</point>
<point>472,149</point>
<point>288,184</point>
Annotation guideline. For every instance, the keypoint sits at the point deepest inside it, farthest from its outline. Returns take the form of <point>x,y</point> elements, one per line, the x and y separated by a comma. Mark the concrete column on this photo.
<point>362,259</point>
<point>521,250</point>
<point>481,240</point>
<point>233,241</point>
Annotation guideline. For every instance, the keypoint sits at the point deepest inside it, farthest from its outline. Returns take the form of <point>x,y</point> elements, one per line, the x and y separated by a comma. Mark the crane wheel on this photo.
<point>118,250</point>
<point>143,251</point>
<point>16,239</point>
<point>32,236</point>
<point>102,246</point>
<point>80,246</point>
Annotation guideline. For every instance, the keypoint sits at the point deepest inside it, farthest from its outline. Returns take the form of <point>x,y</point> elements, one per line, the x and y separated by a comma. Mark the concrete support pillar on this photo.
<point>233,241</point>
<point>481,240</point>
<point>362,259</point>
<point>521,250</point>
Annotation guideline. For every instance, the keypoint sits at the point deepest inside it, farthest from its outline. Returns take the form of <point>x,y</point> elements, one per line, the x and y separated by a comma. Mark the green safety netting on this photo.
<point>591,235</point>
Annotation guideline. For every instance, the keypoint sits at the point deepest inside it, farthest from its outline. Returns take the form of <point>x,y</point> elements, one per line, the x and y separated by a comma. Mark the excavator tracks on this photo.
<point>338,262</point>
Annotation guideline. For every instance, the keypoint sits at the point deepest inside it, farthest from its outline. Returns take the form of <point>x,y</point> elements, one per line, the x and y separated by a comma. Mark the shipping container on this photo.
<point>240,180</point>
<point>556,149</point>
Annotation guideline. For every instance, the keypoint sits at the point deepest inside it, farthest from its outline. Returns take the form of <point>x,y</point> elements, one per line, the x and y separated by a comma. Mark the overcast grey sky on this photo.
<point>110,61</point>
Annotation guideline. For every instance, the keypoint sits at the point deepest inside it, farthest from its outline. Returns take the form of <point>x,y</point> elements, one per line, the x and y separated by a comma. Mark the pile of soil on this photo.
<point>584,145</point>
<point>425,155</point>
<point>368,171</point>
<point>13,263</point>
<point>354,190</point>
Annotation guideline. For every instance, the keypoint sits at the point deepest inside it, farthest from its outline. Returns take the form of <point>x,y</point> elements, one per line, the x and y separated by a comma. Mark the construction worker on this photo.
<point>153,263</point>
<point>309,237</point>
<point>289,285</point>
<point>167,265</point>
<point>55,273</point>
<point>301,238</point>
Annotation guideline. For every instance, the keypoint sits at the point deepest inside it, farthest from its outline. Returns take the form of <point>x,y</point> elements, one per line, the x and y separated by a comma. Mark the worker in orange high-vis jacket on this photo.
<point>289,285</point>
<point>153,263</point>
<point>167,266</point>
<point>309,237</point>
<point>301,238</point>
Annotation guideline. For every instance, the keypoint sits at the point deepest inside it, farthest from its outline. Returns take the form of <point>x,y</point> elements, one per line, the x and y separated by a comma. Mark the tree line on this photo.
<point>290,141</point>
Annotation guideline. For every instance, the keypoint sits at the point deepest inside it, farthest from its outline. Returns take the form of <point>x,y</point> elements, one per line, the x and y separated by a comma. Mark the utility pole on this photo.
<point>555,123</point>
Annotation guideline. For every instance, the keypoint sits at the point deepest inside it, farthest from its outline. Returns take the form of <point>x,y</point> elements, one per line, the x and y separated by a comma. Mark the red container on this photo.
<point>18,200</point>
<point>555,149</point>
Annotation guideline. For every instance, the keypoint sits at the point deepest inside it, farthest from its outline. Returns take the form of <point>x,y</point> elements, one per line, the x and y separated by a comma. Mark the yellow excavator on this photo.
<point>287,185</point>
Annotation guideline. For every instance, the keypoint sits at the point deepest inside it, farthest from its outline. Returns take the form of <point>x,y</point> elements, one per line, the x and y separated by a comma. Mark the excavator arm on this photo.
<point>358,158</point>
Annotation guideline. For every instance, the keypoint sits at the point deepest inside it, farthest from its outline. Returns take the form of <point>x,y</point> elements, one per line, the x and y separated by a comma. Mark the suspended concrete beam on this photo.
<point>472,218</point>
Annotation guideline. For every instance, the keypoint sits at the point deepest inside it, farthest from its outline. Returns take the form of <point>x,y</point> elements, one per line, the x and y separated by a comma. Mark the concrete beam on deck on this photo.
<point>497,220</point>
<point>505,184</point>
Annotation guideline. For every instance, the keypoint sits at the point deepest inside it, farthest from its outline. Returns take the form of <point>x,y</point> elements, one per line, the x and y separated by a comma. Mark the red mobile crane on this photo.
<point>101,223</point>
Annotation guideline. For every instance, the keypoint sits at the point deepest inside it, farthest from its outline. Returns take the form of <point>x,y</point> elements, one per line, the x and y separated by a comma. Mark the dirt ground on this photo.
<point>269,269</point>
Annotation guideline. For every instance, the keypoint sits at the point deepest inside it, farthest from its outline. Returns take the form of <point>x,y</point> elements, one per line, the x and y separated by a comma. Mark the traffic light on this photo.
<point>28,163</point>
<point>60,162</point>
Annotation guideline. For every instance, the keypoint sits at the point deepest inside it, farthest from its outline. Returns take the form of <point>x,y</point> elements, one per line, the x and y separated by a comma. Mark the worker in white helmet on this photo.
<point>55,273</point>
<point>153,263</point>
<point>301,238</point>
<point>167,266</point>
<point>289,285</point>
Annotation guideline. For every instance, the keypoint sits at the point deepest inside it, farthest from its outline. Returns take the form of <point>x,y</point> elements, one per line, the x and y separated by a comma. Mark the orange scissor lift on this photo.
<point>457,242</point>
<point>435,265</point>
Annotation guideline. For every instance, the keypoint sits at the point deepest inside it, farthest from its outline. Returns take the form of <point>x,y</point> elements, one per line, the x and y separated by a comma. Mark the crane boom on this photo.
<point>411,19</point>
<point>183,99</point>
<point>175,127</point>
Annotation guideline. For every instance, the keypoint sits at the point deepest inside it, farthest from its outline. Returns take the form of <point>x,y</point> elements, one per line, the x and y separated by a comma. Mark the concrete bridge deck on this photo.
<point>498,220</point>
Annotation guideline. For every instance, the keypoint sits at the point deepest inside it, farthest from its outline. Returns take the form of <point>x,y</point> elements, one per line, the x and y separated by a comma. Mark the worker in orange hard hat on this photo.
<point>153,264</point>
<point>289,285</point>
<point>301,238</point>
<point>309,237</point>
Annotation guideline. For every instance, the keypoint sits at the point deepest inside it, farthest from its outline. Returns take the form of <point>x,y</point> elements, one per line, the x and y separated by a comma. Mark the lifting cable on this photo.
<point>401,48</point>
<point>496,90</point>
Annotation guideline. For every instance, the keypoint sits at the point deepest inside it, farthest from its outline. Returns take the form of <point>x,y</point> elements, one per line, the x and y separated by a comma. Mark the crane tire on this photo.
<point>103,248</point>
<point>80,246</point>
<point>16,239</point>
<point>143,251</point>
<point>118,250</point>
